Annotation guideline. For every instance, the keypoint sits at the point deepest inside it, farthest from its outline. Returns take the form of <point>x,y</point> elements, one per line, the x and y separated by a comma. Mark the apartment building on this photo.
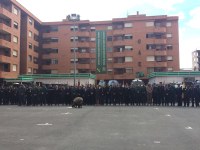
<point>19,40</point>
<point>196,60</point>
<point>135,46</point>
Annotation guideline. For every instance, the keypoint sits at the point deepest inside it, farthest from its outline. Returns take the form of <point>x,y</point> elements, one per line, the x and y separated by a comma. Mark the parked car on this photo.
<point>137,82</point>
<point>113,83</point>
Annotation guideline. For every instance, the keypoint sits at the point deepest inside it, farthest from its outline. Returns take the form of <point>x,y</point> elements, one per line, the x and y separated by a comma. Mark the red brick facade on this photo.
<point>138,43</point>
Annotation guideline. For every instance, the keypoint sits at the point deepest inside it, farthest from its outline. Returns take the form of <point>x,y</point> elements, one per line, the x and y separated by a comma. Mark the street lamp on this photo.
<point>74,18</point>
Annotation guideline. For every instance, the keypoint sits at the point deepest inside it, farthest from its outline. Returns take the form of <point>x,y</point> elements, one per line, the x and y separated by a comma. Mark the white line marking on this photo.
<point>45,124</point>
<point>67,113</point>
<point>168,115</point>
<point>156,142</point>
<point>156,108</point>
<point>188,128</point>
<point>21,139</point>
<point>69,107</point>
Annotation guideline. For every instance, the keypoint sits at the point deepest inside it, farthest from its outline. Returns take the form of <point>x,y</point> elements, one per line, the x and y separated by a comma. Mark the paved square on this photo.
<point>99,128</point>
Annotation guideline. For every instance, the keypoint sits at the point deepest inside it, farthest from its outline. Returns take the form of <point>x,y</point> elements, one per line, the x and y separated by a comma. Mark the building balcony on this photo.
<point>160,53</point>
<point>5,43</point>
<point>49,56</point>
<point>82,44</point>
<point>50,67</point>
<point>82,66</point>
<point>160,29</point>
<point>123,65</point>
<point>157,64</point>
<point>81,55</point>
<point>122,31</point>
<point>122,54</point>
<point>5,59</point>
<point>83,34</point>
<point>5,12</point>
<point>4,28</point>
<point>52,44</point>
<point>156,41</point>
<point>104,76</point>
<point>118,54</point>
<point>123,76</point>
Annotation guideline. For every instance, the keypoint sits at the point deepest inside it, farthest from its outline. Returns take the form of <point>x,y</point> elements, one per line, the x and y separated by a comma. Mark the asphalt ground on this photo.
<point>99,128</point>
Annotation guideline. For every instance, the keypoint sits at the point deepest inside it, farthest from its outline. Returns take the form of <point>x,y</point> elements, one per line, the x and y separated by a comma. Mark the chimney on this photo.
<point>137,12</point>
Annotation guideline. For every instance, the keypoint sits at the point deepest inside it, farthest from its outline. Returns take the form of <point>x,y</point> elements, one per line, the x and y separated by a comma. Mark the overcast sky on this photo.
<point>93,10</point>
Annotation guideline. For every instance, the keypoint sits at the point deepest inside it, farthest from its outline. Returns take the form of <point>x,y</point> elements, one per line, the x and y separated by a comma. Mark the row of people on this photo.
<point>63,95</point>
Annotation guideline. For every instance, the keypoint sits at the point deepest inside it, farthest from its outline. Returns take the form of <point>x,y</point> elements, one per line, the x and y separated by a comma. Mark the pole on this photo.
<point>74,45</point>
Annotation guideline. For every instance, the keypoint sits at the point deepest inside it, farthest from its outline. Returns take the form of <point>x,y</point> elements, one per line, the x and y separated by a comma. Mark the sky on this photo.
<point>93,10</point>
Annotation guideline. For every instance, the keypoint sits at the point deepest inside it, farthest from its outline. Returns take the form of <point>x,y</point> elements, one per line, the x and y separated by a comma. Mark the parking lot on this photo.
<point>99,128</point>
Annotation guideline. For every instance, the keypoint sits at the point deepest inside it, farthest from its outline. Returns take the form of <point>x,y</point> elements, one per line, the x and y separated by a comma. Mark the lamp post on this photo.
<point>74,18</point>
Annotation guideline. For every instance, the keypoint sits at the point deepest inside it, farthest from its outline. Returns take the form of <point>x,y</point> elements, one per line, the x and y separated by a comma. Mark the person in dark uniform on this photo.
<point>68,99</point>
<point>179,95</point>
<point>161,93</point>
<point>21,95</point>
<point>197,98</point>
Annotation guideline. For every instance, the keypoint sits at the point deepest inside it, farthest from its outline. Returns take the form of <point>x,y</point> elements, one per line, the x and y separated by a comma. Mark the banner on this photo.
<point>101,60</point>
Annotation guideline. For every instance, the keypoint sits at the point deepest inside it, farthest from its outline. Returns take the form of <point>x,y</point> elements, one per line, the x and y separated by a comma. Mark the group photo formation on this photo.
<point>108,95</point>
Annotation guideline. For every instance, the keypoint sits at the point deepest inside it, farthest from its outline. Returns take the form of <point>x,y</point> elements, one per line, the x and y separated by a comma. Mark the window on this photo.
<point>54,61</point>
<point>169,47</point>
<point>74,49</point>
<point>170,69</point>
<point>149,70</point>
<point>15,39</point>
<point>72,71</point>
<point>109,28</point>
<point>92,50</point>
<point>129,70</point>
<point>150,58</point>
<point>109,38</point>
<point>128,36</point>
<point>168,24</point>
<point>14,67</point>
<point>109,49</point>
<point>54,39</point>
<point>35,60</point>
<point>128,59</point>
<point>30,45</point>
<point>35,71</point>
<point>74,38</point>
<point>128,25</point>
<point>128,48</point>
<point>139,64</point>
<point>29,58</point>
<point>110,71</point>
<point>15,11</point>
<point>15,53</point>
<point>149,24</point>
<point>30,21</point>
<point>92,39</point>
<point>110,60</point>
<point>169,58</point>
<point>54,28</point>
<point>74,28</point>
<point>15,24</point>
<point>168,35</point>
<point>92,28</point>
<point>92,60</point>
<point>139,41</point>
<point>54,71</point>
<point>83,50</point>
<point>29,70</point>
<point>29,34</point>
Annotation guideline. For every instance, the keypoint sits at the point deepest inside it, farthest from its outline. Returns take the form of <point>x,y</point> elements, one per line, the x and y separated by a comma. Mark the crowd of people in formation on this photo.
<point>156,94</point>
